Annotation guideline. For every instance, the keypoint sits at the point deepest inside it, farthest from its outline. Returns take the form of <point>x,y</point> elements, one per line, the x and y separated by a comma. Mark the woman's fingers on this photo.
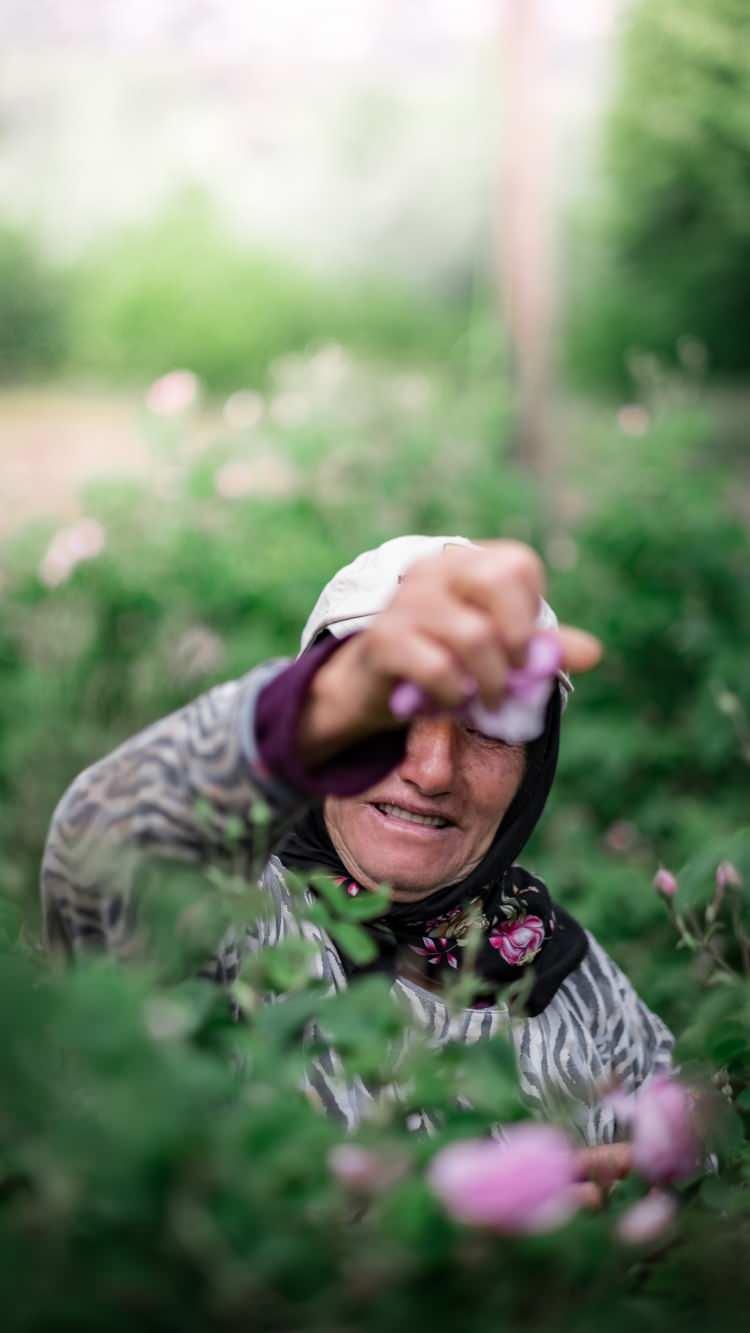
<point>581,650</point>
<point>403,651</point>
<point>588,1195</point>
<point>505,581</point>
<point>605,1164</point>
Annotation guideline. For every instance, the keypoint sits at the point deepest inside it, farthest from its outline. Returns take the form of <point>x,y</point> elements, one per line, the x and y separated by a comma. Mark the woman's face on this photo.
<point>459,782</point>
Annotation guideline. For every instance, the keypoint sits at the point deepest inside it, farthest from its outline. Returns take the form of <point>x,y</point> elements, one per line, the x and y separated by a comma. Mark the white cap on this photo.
<point>362,589</point>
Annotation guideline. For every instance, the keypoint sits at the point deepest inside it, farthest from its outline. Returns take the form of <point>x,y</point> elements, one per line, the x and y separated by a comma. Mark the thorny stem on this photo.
<point>739,931</point>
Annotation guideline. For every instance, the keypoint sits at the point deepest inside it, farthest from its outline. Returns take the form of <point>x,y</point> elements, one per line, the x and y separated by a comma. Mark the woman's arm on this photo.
<point>182,790</point>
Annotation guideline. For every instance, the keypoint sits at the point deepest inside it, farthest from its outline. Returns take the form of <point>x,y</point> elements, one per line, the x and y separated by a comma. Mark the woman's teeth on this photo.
<point>397,812</point>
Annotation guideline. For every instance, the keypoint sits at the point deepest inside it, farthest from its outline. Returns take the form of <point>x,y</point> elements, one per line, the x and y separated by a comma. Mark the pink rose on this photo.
<point>665,882</point>
<point>362,1171</point>
<point>173,394</point>
<point>522,1185</point>
<point>666,1146</point>
<point>727,875</point>
<point>520,715</point>
<point>518,942</point>
<point>647,1219</point>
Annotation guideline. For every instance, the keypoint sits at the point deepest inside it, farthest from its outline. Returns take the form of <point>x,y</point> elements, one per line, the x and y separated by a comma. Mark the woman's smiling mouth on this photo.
<point>400,815</point>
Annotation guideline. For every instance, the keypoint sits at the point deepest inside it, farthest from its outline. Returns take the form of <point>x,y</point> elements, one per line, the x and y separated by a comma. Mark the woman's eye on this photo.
<point>480,736</point>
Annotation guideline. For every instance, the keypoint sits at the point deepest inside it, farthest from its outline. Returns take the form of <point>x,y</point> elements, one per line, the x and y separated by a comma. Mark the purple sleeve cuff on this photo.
<point>348,773</point>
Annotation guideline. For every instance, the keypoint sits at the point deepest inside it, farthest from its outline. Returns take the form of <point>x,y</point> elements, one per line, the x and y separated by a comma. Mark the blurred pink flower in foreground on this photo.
<point>69,547</point>
<point>521,1185</point>
<point>363,1171</point>
<point>728,876</point>
<point>665,882</point>
<point>647,1219</point>
<point>666,1144</point>
<point>173,394</point>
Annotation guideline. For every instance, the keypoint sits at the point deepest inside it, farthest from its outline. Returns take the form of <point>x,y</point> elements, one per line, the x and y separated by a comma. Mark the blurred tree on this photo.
<point>677,157</point>
<point>32,308</point>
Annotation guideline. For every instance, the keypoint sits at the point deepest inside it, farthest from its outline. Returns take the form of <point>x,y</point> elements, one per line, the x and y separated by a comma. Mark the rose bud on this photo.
<point>728,876</point>
<point>647,1219</point>
<point>665,882</point>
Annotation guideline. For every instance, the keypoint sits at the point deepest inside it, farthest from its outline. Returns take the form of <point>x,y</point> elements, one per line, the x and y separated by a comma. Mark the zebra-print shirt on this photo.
<point>184,790</point>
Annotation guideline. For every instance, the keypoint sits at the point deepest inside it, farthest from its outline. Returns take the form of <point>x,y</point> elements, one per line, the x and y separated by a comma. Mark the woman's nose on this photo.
<point>429,760</point>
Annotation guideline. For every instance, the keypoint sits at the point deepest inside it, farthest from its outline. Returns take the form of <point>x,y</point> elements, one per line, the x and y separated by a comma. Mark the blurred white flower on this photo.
<point>173,394</point>
<point>244,409</point>
<point>633,419</point>
<point>69,547</point>
<point>265,476</point>
<point>167,1019</point>
<point>289,408</point>
<point>197,652</point>
<point>412,391</point>
<point>234,480</point>
<point>693,354</point>
<point>330,366</point>
<point>728,703</point>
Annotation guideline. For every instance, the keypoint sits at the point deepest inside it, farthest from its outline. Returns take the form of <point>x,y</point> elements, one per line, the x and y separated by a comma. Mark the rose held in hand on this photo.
<point>521,1186</point>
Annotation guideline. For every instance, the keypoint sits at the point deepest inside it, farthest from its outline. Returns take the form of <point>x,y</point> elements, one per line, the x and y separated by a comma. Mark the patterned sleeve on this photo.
<point>633,1042</point>
<point>182,790</point>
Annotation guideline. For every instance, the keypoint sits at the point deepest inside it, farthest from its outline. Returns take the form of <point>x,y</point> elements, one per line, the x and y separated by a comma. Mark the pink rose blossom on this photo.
<point>665,882</point>
<point>518,942</point>
<point>666,1145</point>
<point>520,716</point>
<point>521,1185</point>
<point>363,1171</point>
<point>728,876</point>
<point>69,547</point>
<point>647,1219</point>
<point>173,394</point>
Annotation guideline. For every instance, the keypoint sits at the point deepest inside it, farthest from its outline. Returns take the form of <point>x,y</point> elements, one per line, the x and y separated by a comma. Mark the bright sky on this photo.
<point>336,29</point>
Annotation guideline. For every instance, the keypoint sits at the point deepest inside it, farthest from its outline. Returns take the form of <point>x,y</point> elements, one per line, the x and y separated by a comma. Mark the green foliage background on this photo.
<point>158,1162</point>
<point>666,262</point>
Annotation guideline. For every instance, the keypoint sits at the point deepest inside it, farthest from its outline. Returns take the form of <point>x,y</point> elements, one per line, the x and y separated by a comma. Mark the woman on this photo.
<point>435,808</point>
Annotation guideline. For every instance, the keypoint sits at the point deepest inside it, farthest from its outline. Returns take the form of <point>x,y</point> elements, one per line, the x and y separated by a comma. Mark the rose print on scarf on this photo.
<point>518,942</point>
<point>350,885</point>
<point>437,951</point>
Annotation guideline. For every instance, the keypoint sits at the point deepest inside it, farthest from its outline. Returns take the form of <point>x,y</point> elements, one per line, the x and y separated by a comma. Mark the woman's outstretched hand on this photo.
<point>459,620</point>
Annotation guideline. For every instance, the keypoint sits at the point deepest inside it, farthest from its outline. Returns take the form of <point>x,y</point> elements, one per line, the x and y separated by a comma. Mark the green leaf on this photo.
<point>354,941</point>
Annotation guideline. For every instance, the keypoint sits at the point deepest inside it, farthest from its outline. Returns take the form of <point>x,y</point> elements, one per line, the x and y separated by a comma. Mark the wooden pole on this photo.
<point>523,231</point>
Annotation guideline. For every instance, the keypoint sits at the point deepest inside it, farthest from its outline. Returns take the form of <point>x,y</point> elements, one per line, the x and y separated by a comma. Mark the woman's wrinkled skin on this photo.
<point>448,772</point>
